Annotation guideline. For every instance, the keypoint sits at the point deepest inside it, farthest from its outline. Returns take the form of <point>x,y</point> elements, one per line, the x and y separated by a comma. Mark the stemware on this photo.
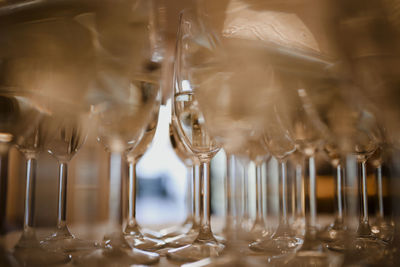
<point>358,134</point>
<point>259,155</point>
<point>124,95</point>
<point>67,124</point>
<point>192,132</point>
<point>30,142</point>
<point>334,234</point>
<point>382,226</point>
<point>280,144</point>
<point>190,161</point>
<point>133,233</point>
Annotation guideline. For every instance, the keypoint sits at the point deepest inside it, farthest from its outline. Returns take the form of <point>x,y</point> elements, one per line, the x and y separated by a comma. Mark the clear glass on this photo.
<point>126,92</point>
<point>67,136</point>
<point>193,133</point>
<point>177,232</point>
<point>335,234</point>
<point>280,145</point>
<point>28,250</point>
<point>259,229</point>
<point>133,233</point>
<point>382,226</point>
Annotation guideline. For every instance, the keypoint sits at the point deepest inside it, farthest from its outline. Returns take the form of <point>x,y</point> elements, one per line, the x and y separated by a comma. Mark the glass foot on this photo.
<point>277,246</point>
<point>196,251</point>
<point>228,260</point>
<point>383,230</point>
<point>36,256</point>
<point>177,230</point>
<point>334,236</point>
<point>307,258</point>
<point>258,232</point>
<point>144,243</point>
<point>182,240</point>
<point>65,242</point>
<point>117,257</point>
<point>28,252</point>
<point>152,234</point>
<point>366,250</point>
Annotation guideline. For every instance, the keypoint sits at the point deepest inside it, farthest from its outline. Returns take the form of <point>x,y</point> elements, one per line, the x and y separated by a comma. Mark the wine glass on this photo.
<point>67,123</point>
<point>382,227</point>
<point>259,155</point>
<point>280,144</point>
<point>133,233</point>
<point>301,87</point>
<point>188,236</point>
<point>123,96</point>
<point>361,137</point>
<point>30,142</point>
<point>334,234</point>
<point>193,134</point>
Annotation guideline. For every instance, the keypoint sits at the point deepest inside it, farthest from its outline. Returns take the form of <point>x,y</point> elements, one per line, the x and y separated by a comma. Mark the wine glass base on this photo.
<point>228,260</point>
<point>117,257</point>
<point>277,246</point>
<point>334,237</point>
<point>176,230</point>
<point>182,240</point>
<point>366,250</point>
<point>67,244</point>
<point>36,256</point>
<point>144,243</point>
<point>196,251</point>
<point>152,234</point>
<point>314,258</point>
<point>383,230</point>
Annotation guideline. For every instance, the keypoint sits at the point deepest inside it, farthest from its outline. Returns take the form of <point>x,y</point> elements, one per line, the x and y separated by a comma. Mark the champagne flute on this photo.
<point>193,133</point>
<point>133,233</point>
<point>68,125</point>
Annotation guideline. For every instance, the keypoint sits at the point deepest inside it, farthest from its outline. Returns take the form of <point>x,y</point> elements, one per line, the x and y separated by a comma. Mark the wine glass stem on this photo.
<point>259,200</point>
<point>204,191</point>
<point>3,186</point>
<point>31,165</point>
<point>364,194</point>
<point>312,192</point>
<point>196,195</point>
<point>132,193</point>
<point>299,191</point>
<point>115,193</point>
<point>228,193</point>
<point>189,195</point>
<point>62,195</point>
<point>283,194</point>
<point>378,174</point>
<point>245,192</point>
<point>339,194</point>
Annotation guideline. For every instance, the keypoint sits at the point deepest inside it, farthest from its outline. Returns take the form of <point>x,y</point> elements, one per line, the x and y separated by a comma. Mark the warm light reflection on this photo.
<point>282,28</point>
